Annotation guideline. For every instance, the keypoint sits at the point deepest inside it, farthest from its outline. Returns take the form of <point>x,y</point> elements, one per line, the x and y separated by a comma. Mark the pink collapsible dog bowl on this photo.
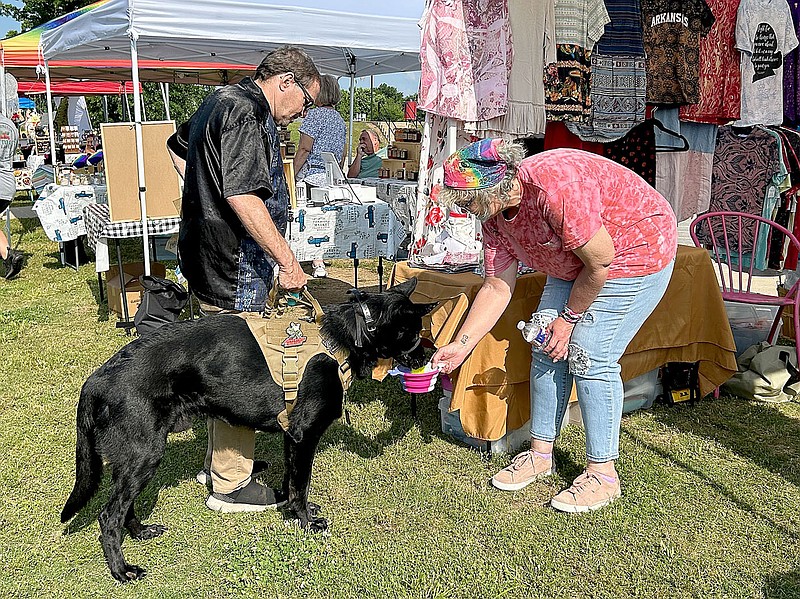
<point>418,382</point>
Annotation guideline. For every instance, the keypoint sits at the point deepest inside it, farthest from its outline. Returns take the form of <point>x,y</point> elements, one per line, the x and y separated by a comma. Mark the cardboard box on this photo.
<point>787,330</point>
<point>133,289</point>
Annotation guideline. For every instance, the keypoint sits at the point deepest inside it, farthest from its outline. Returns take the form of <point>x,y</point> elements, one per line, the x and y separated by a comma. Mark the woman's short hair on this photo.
<point>329,92</point>
<point>288,59</point>
<point>479,201</point>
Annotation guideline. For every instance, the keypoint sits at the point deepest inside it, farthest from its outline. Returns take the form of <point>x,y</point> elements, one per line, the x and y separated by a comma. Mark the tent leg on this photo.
<point>3,87</point>
<point>165,97</point>
<point>105,109</point>
<point>352,104</point>
<point>50,124</point>
<point>137,109</point>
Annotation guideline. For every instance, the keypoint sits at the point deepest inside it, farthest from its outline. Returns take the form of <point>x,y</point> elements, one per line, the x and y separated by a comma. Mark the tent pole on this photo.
<point>50,124</point>
<point>3,83</point>
<point>352,103</point>
<point>165,96</point>
<point>137,110</point>
<point>3,76</point>
<point>105,109</point>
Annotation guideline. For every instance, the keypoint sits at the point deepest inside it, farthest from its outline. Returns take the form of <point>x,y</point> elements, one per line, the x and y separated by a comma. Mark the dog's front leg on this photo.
<point>299,461</point>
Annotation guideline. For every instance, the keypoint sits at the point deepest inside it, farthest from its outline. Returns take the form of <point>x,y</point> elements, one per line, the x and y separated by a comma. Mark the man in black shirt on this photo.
<point>233,219</point>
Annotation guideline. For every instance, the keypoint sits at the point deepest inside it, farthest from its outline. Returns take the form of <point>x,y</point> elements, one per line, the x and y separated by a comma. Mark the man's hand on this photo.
<point>292,277</point>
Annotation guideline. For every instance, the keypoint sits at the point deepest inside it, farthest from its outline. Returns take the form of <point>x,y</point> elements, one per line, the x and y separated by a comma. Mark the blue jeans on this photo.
<point>601,336</point>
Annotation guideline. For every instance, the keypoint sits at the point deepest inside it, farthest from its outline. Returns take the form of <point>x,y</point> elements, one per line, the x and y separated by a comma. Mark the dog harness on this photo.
<point>288,340</point>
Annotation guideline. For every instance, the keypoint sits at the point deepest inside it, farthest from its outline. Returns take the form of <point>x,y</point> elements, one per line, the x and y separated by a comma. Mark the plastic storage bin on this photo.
<point>641,392</point>
<point>451,425</point>
<point>750,324</point>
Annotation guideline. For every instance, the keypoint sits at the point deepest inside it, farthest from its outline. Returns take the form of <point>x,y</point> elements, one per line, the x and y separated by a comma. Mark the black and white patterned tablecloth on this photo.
<point>98,225</point>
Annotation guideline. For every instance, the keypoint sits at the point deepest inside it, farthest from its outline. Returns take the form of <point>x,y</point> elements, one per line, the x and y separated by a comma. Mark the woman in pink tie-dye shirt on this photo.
<point>607,242</point>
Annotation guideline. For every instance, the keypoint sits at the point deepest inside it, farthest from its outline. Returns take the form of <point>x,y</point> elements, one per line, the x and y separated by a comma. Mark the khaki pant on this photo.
<point>229,456</point>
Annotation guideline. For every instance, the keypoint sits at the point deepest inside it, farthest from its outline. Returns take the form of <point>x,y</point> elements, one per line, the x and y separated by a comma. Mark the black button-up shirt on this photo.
<point>231,147</point>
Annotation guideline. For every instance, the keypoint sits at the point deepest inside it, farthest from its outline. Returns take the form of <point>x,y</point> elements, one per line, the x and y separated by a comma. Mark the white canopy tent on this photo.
<point>224,34</point>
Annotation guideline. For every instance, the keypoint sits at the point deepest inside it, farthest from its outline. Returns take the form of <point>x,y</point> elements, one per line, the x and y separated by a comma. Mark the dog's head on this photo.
<point>379,325</point>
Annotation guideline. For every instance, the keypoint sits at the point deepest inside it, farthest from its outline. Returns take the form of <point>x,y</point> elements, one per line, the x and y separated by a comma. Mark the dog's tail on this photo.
<point>88,463</point>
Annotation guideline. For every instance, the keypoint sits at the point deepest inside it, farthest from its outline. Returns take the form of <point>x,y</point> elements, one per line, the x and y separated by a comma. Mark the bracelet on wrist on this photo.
<point>570,316</point>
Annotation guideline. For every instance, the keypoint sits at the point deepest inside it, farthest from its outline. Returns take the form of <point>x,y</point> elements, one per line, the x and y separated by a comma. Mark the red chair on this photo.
<point>728,231</point>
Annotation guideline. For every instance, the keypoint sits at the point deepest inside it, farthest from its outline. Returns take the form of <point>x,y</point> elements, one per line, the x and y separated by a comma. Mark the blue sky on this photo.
<point>408,83</point>
<point>7,24</point>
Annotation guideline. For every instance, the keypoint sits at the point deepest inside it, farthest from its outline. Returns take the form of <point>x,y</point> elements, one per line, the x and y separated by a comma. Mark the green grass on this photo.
<point>711,505</point>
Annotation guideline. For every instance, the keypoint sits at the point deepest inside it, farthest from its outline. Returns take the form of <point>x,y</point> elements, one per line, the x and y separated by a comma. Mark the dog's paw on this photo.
<point>313,509</point>
<point>129,573</point>
<point>150,532</point>
<point>318,525</point>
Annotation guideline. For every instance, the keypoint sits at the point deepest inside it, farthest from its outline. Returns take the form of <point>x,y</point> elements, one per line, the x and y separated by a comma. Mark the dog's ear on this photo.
<point>406,288</point>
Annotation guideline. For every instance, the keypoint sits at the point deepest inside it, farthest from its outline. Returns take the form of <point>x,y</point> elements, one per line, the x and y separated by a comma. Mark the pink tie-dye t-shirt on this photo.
<point>567,195</point>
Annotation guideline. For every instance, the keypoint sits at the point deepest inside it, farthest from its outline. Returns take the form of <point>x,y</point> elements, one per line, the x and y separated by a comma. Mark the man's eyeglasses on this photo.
<point>308,102</point>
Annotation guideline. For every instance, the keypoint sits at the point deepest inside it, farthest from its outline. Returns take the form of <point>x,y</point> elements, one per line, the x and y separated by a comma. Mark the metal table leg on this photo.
<point>126,324</point>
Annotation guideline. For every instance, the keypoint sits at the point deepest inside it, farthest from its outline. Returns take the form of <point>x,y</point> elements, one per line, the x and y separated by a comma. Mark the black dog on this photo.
<point>214,367</point>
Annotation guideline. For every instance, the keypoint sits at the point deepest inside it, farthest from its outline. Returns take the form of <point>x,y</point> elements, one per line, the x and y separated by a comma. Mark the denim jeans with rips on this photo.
<point>597,343</point>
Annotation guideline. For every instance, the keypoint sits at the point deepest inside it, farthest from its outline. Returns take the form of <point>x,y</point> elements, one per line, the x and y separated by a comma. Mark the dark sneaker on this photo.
<point>13,264</point>
<point>252,498</point>
<point>259,466</point>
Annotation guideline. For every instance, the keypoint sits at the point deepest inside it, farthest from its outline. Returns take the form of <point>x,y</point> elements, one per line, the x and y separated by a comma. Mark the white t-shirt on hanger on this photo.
<point>764,35</point>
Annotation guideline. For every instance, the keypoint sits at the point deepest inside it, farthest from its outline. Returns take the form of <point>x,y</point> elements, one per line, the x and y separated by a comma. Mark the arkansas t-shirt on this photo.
<point>567,195</point>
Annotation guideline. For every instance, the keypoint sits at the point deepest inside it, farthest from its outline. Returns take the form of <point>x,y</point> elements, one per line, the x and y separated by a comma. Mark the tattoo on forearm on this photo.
<point>464,339</point>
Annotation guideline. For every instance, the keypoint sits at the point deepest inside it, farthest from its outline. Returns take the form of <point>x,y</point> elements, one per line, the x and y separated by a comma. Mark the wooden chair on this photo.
<point>725,234</point>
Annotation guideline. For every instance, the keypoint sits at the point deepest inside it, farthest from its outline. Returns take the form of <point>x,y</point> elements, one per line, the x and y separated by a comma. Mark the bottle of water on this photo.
<point>535,331</point>
<point>535,335</point>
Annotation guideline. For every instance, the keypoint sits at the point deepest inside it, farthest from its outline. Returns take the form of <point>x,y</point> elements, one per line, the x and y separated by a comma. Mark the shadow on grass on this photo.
<point>719,426</point>
<point>785,585</point>
<point>757,432</point>
<point>331,290</point>
<point>103,314</point>
<point>174,468</point>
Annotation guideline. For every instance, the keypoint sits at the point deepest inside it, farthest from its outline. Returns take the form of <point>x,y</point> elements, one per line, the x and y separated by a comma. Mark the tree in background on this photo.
<point>183,101</point>
<point>387,103</point>
<point>33,13</point>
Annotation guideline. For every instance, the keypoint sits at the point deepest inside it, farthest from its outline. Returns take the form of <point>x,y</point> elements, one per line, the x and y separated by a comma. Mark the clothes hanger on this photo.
<point>683,139</point>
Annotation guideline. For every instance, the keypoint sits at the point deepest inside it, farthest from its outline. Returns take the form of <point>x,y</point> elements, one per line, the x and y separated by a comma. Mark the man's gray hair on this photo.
<point>329,92</point>
<point>288,59</point>
<point>479,201</point>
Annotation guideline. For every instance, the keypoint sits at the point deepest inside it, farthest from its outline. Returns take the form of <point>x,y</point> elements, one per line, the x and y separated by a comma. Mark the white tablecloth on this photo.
<point>367,230</point>
<point>60,209</point>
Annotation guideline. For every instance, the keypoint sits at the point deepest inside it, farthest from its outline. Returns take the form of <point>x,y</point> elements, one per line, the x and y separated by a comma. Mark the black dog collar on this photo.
<point>365,324</point>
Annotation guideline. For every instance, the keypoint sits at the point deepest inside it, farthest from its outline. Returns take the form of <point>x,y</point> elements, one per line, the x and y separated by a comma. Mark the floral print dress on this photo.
<point>466,56</point>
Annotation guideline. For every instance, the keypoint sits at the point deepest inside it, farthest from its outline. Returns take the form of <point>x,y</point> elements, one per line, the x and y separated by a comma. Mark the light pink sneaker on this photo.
<point>525,468</point>
<point>589,492</point>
